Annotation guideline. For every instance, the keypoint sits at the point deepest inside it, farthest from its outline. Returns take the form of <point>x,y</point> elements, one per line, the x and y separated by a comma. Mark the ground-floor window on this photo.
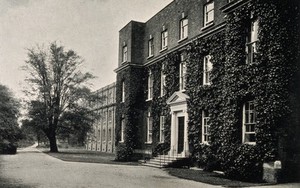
<point>149,128</point>
<point>249,122</point>
<point>122,130</point>
<point>162,129</point>
<point>205,127</point>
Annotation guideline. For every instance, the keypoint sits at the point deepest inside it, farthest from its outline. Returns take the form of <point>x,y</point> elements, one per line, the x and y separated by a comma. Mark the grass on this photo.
<point>82,155</point>
<point>209,177</point>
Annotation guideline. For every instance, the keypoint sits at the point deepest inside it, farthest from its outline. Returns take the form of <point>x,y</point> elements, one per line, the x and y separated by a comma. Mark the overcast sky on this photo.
<point>90,27</point>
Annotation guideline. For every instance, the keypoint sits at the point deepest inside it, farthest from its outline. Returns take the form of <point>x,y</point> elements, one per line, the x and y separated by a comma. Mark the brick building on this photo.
<point>102,137</point>
<point>210,79</point>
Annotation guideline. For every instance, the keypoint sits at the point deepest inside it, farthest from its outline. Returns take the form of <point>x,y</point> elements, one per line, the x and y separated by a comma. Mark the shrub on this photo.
<point>8,148</point>
<point>243,162</point>
<point>124,153</point>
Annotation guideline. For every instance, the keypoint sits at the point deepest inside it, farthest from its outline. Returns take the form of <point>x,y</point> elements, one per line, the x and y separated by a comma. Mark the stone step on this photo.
<point>163,160</point>
<point>160,163</point>
<point>152,165</point>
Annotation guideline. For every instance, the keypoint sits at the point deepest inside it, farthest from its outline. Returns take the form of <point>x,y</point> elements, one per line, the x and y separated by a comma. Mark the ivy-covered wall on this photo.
<point>131,110</point>
<point>270,82</point>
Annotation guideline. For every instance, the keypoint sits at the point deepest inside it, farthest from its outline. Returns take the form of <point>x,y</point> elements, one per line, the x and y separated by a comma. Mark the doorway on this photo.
<point>180,134</point>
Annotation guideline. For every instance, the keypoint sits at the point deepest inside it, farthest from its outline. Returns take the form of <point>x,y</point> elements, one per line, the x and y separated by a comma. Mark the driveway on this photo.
<point>32,168</point>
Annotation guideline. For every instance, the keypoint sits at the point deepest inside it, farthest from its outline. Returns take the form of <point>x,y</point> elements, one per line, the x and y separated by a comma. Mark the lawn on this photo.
<point>209,177</point>
<point>82,155</point>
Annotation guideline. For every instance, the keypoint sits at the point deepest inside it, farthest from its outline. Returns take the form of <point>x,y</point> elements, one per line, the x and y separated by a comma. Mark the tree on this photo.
<point>9,111</point>
<point>59,87</point>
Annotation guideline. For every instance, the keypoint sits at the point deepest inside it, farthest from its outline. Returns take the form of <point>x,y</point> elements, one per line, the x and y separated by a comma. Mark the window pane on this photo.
<point>250,137</point>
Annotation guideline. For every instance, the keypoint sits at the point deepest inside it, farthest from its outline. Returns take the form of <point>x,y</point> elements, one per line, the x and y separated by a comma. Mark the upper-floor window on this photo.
<point>182,73</point>
<point>205,127</point>
<point>149,127</point>
<point>150,47</point>
<point>183,28</point>
<point>162,82</point>
<point>123,91</point>
<point>249,122</point>
<point>207,67</point>
<point>150,85</point>
<point>104,135</point>
<point>124,54</point>
<point>162,129</point>
<point>251,40</point>
<point>109,134</point>
<point>109,116</point>
<point>164,40</point>
<point>99,135</point>
<point>104,118</point>
<point>110,97</point>
<point>208,13</point>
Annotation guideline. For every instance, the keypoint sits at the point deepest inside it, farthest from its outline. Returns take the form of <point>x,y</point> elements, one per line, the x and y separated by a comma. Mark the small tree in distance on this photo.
<point>58,87</point>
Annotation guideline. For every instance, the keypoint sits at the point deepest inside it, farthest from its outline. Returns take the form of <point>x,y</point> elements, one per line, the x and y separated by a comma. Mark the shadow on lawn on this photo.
<point>80,155</point>
<point>210,178</point>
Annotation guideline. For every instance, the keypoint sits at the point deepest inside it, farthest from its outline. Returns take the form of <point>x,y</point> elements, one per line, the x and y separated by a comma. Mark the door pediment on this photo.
<point>177,98</point>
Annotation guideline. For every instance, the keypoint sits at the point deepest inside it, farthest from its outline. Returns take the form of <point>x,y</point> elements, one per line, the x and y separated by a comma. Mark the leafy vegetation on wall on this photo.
<point>271,81</point>
<point>268,82</point>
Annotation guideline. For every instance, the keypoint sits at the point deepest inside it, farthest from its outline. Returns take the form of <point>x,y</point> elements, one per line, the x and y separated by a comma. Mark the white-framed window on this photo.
<point>124,53</point>
<point>251,45</point>
<point>249,122</point>
<point>123,92</point>
<point>162,82</point>
<point>208,13</point>
<point>150,47</point>
<point>162,129</point>
<point>149,127</point>
<point>110,97</point>
<point>99,135</point>
<point>207,67</point>
<point>122,130</point>
<point>150,85</point>
<point>109,134</point>
<point>109,116</point>
<point>182,73</point>
<point>104,134</point>
<point>205,127</point>
<point>164,40</point>
<point>183,28</point>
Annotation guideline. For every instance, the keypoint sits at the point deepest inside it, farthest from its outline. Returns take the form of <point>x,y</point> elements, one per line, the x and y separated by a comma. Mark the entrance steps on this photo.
<point>163,161</point>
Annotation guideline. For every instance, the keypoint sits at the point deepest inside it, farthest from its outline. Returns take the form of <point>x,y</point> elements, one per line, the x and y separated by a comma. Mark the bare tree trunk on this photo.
<point>53,144</point>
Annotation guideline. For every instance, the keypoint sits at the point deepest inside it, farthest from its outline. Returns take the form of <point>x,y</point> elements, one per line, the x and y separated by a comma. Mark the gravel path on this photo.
<point>35,169</point>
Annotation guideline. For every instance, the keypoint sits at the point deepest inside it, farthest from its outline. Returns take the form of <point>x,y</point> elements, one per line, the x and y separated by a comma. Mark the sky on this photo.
<point>89,27</point>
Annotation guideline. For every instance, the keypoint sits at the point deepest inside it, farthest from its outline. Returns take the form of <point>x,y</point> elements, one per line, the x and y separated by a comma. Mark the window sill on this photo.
<point>123,62</point>
<point>250,143</point>
<point>164,49</point>
<point>182,39</point>
<point>150,99</point>
<point>161,96</point>
<point>207,84</point>
<point>121,142</point>
<point>205,143</point>
<point>208,25</point>
<point>149,57</point>
<point>148,142</point>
